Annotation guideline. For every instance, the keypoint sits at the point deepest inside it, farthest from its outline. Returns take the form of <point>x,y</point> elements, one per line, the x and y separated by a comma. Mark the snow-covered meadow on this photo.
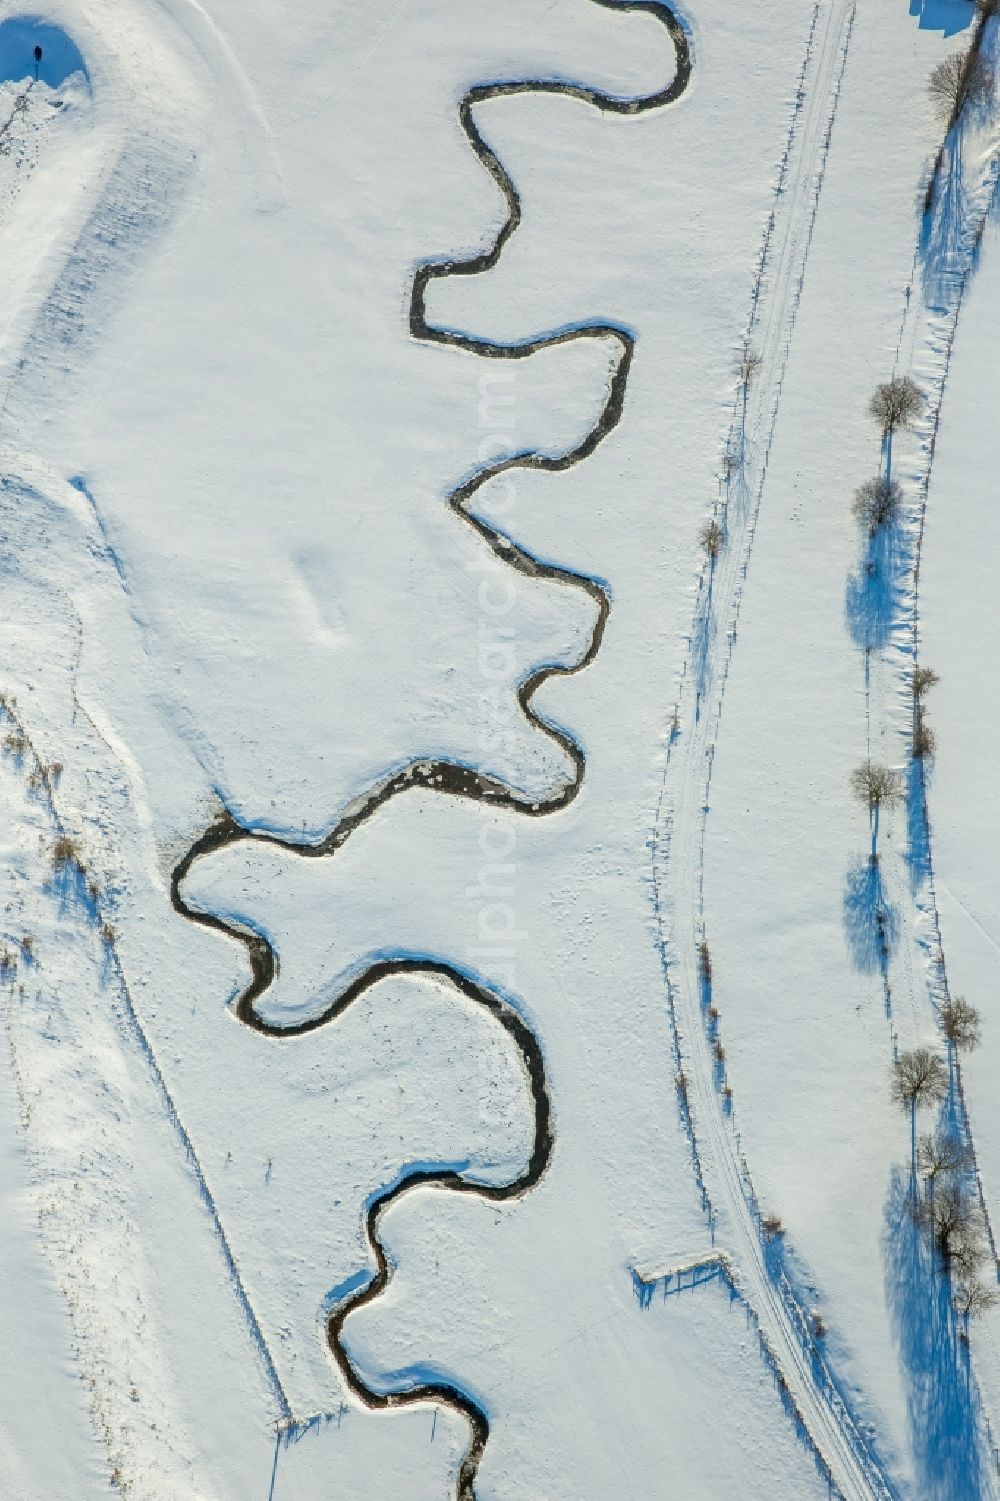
<point>449,1004</point>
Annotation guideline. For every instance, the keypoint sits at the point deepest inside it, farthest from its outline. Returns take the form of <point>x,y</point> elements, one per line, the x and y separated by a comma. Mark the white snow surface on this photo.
<point>233,586</point>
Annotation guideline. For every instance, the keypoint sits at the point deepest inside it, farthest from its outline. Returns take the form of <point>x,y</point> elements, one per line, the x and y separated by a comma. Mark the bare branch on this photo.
<point>924,678</point>
<point>876,503</point>
<point>896,403</point>
<point>962,79</point>
<point>940,1153</point>
<point>972,1299</point>
<point>918,1078</point>
<point>749,364</point>
<point>875,785</point>
<point>711,538</point>
<point>961,1023</point>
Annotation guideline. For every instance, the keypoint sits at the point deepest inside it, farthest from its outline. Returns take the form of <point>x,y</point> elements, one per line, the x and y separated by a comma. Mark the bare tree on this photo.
<point>963,78</point>
<point>748,366</point>
<point>876,503</point>
<point>66,852</point>
<point>952,1218</point>
<point>896,403</point>
<point>711,539</point>
<point>924,740</point>
<point>924,678</point>
<point>877,787</point>
<point>966,1251</point>
<point>961,1023</point>
<point>941,1153</point>
<point>918,1078</point>
<point>972,1299</point>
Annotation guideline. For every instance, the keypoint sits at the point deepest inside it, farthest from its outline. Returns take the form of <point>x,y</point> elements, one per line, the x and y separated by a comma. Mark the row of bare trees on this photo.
<point>896,404</point>
<point>946,1204</point>
<point>876,506</point>
<point>712,535</point>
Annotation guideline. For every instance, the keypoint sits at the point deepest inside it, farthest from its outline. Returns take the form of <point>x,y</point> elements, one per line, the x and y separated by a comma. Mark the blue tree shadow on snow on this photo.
<point>918,853</point>
<point>945,1427</point>
<point>703,639</point>
<point>945,227</point>
<point>875,588</point>
<point>19,37</point>
<point>946,16</point>
<point>871,923</point>
<point>69,882</point>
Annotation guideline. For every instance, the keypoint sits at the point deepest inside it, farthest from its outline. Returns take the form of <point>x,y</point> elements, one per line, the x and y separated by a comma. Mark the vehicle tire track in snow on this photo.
<point>448,777</point>
<point>678,843</point>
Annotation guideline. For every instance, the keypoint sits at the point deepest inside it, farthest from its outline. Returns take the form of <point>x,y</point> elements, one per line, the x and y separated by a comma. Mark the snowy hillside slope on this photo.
<point>449,1003</point>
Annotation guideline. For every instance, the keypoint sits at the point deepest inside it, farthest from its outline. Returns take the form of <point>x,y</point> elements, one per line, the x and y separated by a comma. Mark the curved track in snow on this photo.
<point>449,777</point>
<point>679,837</point>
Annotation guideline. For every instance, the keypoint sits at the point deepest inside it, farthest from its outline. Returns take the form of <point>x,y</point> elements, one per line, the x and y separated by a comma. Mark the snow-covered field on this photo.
<point>450,992</point>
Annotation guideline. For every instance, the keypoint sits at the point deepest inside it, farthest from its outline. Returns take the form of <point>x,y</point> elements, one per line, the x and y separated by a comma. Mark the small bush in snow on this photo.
<point>875,785</point>
<point>924,739</point>
<point>923,680</point>
<point>961,1023</point>
<point>876,503</point>
<point>748,366</point>
<point>66,852</point>
<point>963,78</point>
<point>710,538</point>
<point>896,403</point>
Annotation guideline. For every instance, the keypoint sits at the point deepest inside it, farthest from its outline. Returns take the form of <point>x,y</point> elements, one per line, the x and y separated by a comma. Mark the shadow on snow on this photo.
<point>918,852</point>
<point>870,922</point>
<point>60,55</point>
<point>941,1401</point>
<point>874,589</point>
<point>946,16</point>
